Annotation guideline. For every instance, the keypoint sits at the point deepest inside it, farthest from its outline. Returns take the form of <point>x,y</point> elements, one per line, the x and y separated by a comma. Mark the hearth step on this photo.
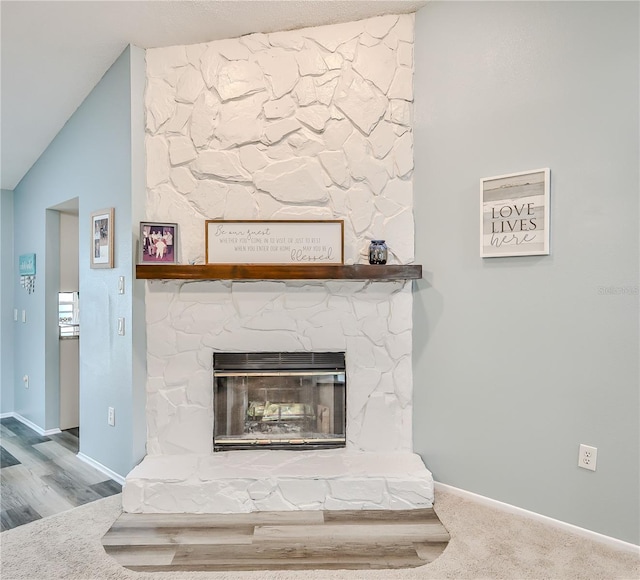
<point>300,540</point>
<point>249,481</point>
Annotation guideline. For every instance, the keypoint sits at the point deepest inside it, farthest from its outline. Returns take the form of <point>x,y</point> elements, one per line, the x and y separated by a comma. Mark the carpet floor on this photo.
<point>485,544</point>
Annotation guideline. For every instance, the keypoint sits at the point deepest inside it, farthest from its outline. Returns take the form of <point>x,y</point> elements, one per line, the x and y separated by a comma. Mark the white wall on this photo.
<point>519,360</point>
<point>69,348</point>
<point>69,276</point>
<point>69,384</point>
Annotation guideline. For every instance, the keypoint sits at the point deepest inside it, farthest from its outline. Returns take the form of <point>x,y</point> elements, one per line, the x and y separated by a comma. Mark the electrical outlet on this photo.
<point>587,457</point>
<point>25,380</point>
<point>111,418</point>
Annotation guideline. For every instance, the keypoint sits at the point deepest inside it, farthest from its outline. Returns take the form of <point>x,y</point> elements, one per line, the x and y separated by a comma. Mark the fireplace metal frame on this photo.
<point>274,364</point>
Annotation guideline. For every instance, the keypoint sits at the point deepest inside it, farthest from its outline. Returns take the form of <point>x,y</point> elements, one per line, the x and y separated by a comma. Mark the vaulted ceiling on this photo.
<point>54,52</point>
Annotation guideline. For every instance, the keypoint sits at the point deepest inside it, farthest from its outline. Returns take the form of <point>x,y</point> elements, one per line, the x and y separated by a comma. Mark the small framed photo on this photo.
<point>158,243</point>
<point>102,234</point>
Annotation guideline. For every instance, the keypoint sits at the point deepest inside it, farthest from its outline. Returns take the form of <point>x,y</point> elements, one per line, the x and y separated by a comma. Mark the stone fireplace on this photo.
<point>306,124</point>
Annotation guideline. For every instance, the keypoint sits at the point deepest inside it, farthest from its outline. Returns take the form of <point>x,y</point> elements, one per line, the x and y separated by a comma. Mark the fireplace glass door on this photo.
<point>279,400</point>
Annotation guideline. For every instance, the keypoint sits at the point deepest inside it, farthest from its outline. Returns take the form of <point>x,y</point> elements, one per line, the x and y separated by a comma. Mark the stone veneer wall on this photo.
<point>307,124</point>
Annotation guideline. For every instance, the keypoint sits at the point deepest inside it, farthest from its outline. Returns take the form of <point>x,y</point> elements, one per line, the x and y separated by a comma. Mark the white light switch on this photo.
<point>15,315</point>
<point>24,316</point>
<point>121,326</point>
<point>121,285</point>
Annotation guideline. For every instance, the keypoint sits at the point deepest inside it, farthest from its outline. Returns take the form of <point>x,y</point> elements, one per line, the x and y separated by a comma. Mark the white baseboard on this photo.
<point>505,507</point>
<point>112,474</point>
<point>39,430</point>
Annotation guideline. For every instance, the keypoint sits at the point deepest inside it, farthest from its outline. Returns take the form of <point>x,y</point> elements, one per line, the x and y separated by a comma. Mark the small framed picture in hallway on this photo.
<point>158,243</point>
<point>102,232</point>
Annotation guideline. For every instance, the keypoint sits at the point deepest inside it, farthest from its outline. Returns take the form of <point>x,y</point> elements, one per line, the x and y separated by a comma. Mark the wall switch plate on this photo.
<point>25,380</point>
<point>121,326</point>
<point>121,285</point>
<point>24,316</point>
<point>587,457</point>
<point>111,417</point>
<point>15,315</point>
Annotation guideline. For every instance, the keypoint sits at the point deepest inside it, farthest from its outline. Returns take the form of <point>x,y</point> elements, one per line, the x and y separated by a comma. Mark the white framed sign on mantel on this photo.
<point>274,242</point>
<point>514,214</point>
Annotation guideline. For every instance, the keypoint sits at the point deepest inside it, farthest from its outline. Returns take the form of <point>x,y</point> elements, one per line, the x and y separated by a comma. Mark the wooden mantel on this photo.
<point>277,272</point>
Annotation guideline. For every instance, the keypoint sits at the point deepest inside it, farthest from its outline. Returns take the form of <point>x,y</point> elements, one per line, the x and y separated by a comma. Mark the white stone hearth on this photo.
<point>246,481</point>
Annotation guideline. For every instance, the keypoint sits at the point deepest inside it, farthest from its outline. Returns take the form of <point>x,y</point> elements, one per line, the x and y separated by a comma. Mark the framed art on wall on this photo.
<point>158,243</point>
<point>514,214</point>
<point>27,269</point>
<point>102,234</point>
<point>274,242</point>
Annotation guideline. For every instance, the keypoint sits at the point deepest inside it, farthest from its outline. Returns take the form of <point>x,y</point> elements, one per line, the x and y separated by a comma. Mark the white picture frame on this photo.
<point>102,238</point>
<point>514,214</point>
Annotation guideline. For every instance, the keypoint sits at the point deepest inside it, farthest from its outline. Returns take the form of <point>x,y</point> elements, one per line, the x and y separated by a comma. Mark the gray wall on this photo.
<point>8,272</point>
<point>91,159</point>
<point>519,360</point>
<point>137,287</point>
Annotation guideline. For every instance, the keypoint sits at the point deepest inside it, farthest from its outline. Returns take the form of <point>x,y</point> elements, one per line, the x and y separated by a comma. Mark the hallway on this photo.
<point>41,476</point>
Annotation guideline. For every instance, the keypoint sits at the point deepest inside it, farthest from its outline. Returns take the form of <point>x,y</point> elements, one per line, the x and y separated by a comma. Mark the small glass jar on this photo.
<point>377,252</point>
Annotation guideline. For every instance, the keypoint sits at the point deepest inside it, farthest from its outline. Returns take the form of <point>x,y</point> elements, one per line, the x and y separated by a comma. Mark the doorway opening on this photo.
<point>69,320</point>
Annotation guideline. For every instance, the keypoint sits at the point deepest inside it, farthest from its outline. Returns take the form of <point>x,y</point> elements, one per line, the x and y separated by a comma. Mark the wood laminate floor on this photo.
<point>292,540</point>
<point>41,476</point>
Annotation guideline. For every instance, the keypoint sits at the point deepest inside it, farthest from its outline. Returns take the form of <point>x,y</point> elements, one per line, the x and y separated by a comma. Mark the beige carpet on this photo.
<point>485,544</point>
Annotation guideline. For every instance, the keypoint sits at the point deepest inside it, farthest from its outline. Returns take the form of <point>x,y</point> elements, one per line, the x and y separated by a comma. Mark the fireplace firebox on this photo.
<point>279,400</point>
